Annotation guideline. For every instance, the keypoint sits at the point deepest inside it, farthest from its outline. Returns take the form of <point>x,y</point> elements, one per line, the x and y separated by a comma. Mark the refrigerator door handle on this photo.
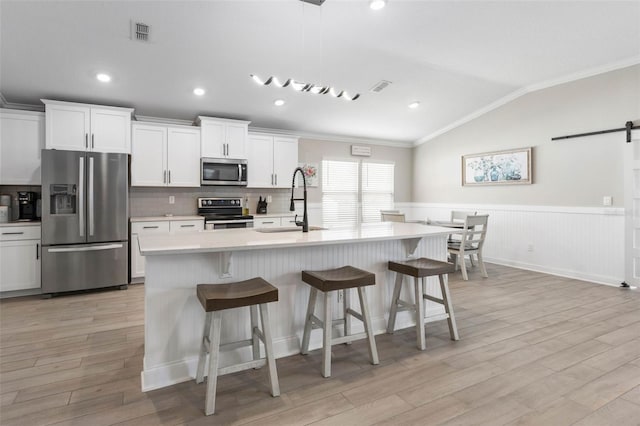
<point>81,197</point>
<point>91,209</point>
<point>90,248</point>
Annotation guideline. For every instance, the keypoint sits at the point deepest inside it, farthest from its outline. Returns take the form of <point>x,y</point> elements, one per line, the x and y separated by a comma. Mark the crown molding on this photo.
<point>635,60</point>
<point>23,107</point>
<point>331,138</point>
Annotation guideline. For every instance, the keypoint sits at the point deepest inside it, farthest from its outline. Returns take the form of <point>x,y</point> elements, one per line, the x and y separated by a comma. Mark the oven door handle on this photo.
<point>224,222</point>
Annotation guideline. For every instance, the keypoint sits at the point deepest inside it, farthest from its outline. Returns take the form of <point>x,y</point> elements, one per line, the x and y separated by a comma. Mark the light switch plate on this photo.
<point>172,199</point>
<point>607,201</point>
<point>269,199</point>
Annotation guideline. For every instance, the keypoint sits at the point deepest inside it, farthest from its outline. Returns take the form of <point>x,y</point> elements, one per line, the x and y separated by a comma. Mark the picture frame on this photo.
<point>510,167</point>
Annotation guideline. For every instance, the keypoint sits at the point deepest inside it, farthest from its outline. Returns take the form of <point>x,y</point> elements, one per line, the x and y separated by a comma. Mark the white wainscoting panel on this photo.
<point>584,243</point>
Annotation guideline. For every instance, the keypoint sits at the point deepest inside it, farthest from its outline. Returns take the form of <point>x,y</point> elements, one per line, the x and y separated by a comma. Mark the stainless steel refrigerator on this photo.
<point>84,220</point>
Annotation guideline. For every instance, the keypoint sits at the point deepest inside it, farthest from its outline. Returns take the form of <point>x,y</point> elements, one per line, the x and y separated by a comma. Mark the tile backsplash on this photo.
<point>155,201</point>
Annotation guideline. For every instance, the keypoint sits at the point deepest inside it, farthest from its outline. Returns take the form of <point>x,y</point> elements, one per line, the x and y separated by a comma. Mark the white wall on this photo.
<point>557,224</point>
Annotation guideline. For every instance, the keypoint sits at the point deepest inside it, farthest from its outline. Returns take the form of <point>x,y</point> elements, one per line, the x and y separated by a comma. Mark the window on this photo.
<point>355,191</point>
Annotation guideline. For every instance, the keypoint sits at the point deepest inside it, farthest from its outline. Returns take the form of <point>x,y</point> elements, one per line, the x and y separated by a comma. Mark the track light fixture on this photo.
<point>305,87</point>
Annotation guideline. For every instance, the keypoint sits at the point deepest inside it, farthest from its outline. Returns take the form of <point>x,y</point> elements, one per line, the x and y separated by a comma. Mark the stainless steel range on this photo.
<point>223,213</point>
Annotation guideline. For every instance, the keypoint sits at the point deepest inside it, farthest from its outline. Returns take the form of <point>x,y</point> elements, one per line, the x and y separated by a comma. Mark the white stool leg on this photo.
<point>448,306</point>
<point>394,303</point>
<point>326,335</point>
<point>364,308</point>
<point>268,349</point>
<point>307,323</point>
<point>347,317</point>
<point>255,340</point>
<point>214,355</point>
<point>419,314</point>
<point>203,348</point>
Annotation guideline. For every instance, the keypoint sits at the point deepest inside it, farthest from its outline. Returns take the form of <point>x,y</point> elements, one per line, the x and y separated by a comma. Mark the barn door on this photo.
<point>632,210</point>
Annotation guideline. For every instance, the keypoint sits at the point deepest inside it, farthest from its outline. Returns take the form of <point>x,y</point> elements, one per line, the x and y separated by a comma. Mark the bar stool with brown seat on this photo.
<point>421,268</point>
<point>328,281</point>
<point>215,298</point>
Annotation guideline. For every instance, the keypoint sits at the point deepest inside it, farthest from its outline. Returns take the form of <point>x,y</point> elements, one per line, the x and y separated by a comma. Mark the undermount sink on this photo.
<point>289,229</point>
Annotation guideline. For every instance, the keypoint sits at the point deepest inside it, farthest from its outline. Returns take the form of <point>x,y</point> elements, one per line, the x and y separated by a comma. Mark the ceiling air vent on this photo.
<point>380,86</point>
<point>140,31</point>
<point>316,2</point>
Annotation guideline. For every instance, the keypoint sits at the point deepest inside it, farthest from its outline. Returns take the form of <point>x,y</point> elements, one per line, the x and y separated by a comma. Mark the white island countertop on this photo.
<point>251,239</point>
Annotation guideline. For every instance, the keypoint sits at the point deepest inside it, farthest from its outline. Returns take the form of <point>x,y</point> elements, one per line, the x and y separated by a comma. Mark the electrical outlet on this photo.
<point>530,247</point>
<point>269,199</point>
<point>172,199</point>
<point>607,200</point>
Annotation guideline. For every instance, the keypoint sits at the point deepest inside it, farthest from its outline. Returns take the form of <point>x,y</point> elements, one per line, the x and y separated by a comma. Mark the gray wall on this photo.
<point>313,151</point>
<point>573,172</point>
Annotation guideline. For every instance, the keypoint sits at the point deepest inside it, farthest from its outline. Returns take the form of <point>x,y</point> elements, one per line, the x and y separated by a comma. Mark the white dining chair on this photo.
<point>388,216</point>
<point>472,243</point>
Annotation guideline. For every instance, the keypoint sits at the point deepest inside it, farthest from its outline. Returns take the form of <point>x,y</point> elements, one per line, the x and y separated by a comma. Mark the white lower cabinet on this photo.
<point>274,222</point>
<point>157,227</point>
<point>20,252</point>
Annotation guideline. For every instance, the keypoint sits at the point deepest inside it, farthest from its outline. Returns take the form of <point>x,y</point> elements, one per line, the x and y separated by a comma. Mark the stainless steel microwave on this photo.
<point>223,171</point>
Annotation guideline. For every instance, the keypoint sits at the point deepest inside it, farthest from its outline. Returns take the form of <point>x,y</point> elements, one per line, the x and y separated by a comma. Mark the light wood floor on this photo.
<point>535,350</point>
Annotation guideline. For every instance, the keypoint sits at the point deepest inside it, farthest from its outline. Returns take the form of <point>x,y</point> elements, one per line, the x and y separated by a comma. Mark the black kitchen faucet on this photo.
<point>292,207</point>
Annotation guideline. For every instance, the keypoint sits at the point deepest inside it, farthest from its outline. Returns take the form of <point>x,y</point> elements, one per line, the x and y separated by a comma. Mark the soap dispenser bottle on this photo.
<point>245,206</point>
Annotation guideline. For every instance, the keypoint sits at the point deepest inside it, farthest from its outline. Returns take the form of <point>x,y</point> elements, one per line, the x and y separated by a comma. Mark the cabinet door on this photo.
<point>67,127</point>
<point>183,157</point>
<point>213,139</point>
<point>288,221</point>
<point>285,160</point>
<point>236,137</point>
<point>21,140</point>
<point>266,222</point>
<point>260,162</point>
<point>137,260</point>
<point>19,265</point>
<point>148,159</point>
<point>110,131</point>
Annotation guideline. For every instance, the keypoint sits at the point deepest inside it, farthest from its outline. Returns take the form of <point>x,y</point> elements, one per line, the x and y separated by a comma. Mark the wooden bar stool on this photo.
<point>422,268</point>
<point>328,281</point>
<point>215,298</point>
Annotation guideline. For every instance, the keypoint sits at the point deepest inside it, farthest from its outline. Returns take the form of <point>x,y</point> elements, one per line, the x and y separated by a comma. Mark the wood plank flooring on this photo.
<point>535,350</point>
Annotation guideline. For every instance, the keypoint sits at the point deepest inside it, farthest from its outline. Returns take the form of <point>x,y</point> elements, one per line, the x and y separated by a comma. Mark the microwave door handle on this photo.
<point>81,196</point>
<point>91,199</point>
<point>239,172</point>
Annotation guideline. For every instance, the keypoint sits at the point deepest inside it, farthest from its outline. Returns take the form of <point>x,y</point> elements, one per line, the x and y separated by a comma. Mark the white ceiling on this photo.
<point>454,57</point>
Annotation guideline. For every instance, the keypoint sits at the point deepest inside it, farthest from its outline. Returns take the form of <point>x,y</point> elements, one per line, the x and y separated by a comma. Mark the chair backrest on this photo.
<point>460,216</point>
<point>392,217</point>
<point>475,231</point>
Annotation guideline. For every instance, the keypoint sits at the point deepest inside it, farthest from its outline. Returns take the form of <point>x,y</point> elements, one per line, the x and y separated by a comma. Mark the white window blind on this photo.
<point>377,189</point>
<point>339,193</point>
<point>349,184</point>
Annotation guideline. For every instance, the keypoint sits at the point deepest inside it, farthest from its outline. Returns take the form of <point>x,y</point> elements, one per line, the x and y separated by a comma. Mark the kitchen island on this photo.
<point>175,264</point>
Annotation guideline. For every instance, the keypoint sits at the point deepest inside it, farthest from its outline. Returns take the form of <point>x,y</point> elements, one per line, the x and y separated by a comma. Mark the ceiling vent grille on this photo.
<point>380,86</point>
<point>140,31</point>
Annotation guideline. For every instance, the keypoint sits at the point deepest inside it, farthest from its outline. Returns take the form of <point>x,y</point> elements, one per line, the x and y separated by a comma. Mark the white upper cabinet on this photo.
<point>183,157</point>
<point>21,141</point>
<point>271,160</point>
<point>222,138</point>
<point>83,127</point>
<point>165,155</point>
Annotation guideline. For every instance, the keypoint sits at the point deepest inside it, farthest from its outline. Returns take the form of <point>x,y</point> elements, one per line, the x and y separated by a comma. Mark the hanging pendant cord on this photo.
<point>627,128</point>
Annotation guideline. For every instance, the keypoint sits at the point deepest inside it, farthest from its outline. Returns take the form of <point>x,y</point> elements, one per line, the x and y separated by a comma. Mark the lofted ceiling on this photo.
<point>455,57</point>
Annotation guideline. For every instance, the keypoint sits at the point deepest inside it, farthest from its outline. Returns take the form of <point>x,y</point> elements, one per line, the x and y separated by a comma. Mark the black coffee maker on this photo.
<point>27,205</point>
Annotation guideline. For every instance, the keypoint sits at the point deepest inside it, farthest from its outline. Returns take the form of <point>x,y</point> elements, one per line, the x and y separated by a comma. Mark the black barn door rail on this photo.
<point>627,128</point>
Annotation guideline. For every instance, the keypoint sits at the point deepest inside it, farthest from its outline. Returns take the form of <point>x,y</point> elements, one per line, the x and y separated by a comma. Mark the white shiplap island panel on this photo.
<point>175,264</point>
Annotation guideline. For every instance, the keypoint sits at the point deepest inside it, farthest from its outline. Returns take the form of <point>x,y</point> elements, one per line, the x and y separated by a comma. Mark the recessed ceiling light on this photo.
<point>198,91</point>
<point>414,104</point>
<point>377,4</point>
<point>105,78</point>
<point>278,102</point>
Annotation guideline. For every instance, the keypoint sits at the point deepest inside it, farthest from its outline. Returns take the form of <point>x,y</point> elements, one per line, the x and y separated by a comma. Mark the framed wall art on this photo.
<point>497,168</point>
